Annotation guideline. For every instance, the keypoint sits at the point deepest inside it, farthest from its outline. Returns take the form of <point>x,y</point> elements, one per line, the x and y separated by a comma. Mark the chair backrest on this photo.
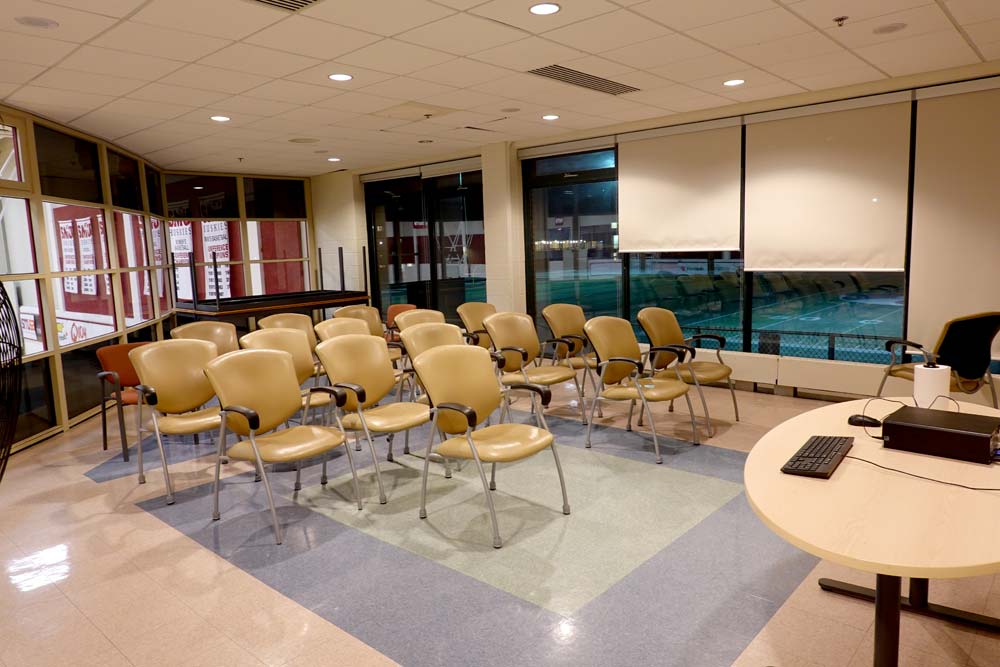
<point>418,316</point>
<point>292,341</point>
<point>262,380</point>
<point>223,334</point>
<point>298,321</point>
<point>613,337</point>
<point>473,313</point>
<point>421,337</point>
<point>566,319</point>
<point>332,328</point>
<point>115,358</point>
<point>514,330</point>
<point>360,359</point>
<point>661,328</point>
<point>368,314</point>
<point>459,374</point>
<point>395,309</point>
<point>176,370</point>
<point>965,344</point>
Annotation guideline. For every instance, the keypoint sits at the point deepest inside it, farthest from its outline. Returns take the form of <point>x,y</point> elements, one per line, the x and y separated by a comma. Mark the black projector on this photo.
<point>951,435</point>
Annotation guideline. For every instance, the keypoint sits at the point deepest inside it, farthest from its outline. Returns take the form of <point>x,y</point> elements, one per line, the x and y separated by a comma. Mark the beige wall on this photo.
<point>955,256</point>
<point>338,209</point>
<point>503,215</point>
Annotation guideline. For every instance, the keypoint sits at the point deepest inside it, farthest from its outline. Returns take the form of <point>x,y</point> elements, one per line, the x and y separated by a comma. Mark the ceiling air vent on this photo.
<point>582,79</point>
<point>290,5</point>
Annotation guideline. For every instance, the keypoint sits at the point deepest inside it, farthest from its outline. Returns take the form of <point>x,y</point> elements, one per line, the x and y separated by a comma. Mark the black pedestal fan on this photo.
<point>10,376</point>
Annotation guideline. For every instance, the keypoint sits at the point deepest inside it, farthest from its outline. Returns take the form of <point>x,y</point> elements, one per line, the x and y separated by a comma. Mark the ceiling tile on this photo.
<point>11,72</point>
<point>382,17</point>
<point>597,65</point>
<point>34,50</point>
<point>754,78</point>
<point>155,138</point>
<point>115,8</point>
<point>87,82</point>
<point>461,4</point>
<point>464,99</point>
<point>663,97</point>
<point>463,34</point>
<point>213,78</point>
<point>156,41</point>
<point>919,21</point>
<point>358,102</point>
<point>258,60</point>
<point>806,45</point>
<point>986,32</point>
<point>608,31</point>
<point>119,63</point>
<point>642,80</point>
<point>112,125</point>
<point>763,92</point>
<point>460,72</point>
<point>973,11</point>
<point>527,54</point>
<point>312,37</point>
<point>74,26</point>
<point>639,112</point>
<point>231,19</point>
<point>158,110</point>
<point>837,78</point>
<point>370,122</point>
<point>282,90</point>
<point>659,51</point>
<point>57,104</point>
<point>990,51</point>
<point>923,53</point>
<point>203,118</point>
<point>241,104</point>
<point>7,88</point>
<point>515,13</point>
<point>701,102</point>
<point>752,29</point>
<point>161,92</point>
<point>699,68</point>
<point>685,14</point>
<point>461,118</point>
<point>406,88</point>
<point>822,12</point>
<point>396,57</point>
<point>824,64</point>
<point>320,75</point>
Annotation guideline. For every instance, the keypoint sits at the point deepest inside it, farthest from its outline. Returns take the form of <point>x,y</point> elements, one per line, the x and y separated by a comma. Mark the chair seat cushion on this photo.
<point>545,375</point>
<point>906,371</point>
<point>395,354</point>
<point>655,389</point>
<point>499,443</point>
<point>189,423</point>
<point>390,418</point>
<point>289,444</point>
<point>129,396</point>
<point>579,362</point>
<point>319,399</point>
<point>705,371</point>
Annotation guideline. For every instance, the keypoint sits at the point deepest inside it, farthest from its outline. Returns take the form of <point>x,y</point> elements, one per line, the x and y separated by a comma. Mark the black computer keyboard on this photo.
<point>819,457</point>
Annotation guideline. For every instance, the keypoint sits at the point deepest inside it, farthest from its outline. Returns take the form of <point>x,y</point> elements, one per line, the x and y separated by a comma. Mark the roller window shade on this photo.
<point>680,192</point>
<point>828,191</point>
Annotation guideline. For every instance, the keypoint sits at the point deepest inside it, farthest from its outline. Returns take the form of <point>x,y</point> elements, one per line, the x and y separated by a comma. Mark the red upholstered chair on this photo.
<point>119,378</point>
<point>391,333</point>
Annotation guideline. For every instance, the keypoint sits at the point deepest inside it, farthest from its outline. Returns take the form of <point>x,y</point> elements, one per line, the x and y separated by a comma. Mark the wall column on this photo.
<point>338,209</point>
<point>503,223</point>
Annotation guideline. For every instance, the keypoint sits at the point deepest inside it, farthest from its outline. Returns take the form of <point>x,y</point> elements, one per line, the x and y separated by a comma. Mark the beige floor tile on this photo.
<point>340,652</point>
<point>807,635</point>
<point>223,653</point>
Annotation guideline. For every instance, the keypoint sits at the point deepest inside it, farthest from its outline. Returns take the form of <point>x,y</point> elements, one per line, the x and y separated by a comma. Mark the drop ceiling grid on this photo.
<point>147,73</point>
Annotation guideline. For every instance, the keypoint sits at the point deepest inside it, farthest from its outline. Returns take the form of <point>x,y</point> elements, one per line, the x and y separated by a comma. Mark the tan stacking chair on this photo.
<point>662,328</point>
<point>360,364</point>
<point>259,391</point>
<point>473,313</point>
<point>334,327</point>
<point>462,385</point>
<point>223,334</point>
<point>515,336</point>
<point>621,375</point>
<point>371,317</point>
<point>295,343</point>
<point>566,321</point>
<point>416,316</point>
<point>298,321</point>
<point>421,337</point>
<point>391,330</point>
<point>173,383</point>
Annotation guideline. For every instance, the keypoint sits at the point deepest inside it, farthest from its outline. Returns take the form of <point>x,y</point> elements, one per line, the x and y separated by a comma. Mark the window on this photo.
<point>270,240</point>
<point>205,239</point>
<point>154,190</point>
<point>27,303</point>
<point>124,176</point>
<point>201,196</point>
<point>77,238</point>
<point>274,198</point>
<point>85,308</point>
<point>68,166</point>
<point>277,277</point>
<point>10,154</point>
<point>17,247</point>
<point>137,297</point>
<point>38,411</point>
<point>130,237</point>
<point>157,231</point>
<point>79,368</point>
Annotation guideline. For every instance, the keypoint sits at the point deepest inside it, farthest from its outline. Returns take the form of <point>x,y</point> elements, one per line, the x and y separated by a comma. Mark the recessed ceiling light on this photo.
<point>333,159</point>
<point>425,141</point>
<point>37,22</point>
<point>733,82</point>
<point>198,187</point>
<point>221,119</point>
<point>550,116</point>
<point>545,8</point>
<point>341,77</point>
<point>889,28</point>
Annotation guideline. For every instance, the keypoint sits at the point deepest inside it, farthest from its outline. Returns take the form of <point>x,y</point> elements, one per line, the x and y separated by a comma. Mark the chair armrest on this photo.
<point>471,336</point>
<point>339,395</point>
<point>721,340</point>
<point>110,377</point>
<point>253,419</point>
<point>520,350</point>
<point>148,394</point>
<point>555,342</point>
<point>891,345</point>
<point>470,414</point>
<point>396,344</point>
<point>682,351</point>
<point>358,390</point>
<point>544,392</point>
<point>500,360</point>
<point>627,360</point>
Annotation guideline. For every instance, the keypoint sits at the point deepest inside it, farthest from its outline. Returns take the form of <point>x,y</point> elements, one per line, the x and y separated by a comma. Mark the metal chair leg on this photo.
<point>163,458</point>
<point>562,480</point>
<point>121,430</point>
<point>354,473</point>
<point>104,420</point>
<point>218,471</point>
<point>323,478</point>
<point>389,442</point>
<point>694,427</point>
<point>993,388</point>
<point>298,476</point>
<point>704,406</point>
<point>652,427</point>
<point>593,381</point>
<point>267,490</point>
<point>732,392</point>
<point>631,406</point>
<point>590,422</point>
<point>427,464</point>
<point>583,403</point>
<point>493,476</point>
<point>371,445</point>
<point>497,542</point>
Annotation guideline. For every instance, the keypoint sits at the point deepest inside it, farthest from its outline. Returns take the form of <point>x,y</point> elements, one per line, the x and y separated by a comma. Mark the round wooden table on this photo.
<point>878,520</point>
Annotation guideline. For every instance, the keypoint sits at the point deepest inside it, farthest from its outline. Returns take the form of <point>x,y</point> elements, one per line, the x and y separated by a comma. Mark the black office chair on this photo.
<point>965,345</point>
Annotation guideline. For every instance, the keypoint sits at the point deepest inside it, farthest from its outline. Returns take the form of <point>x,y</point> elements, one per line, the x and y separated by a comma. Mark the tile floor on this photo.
<point>96,570</point>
